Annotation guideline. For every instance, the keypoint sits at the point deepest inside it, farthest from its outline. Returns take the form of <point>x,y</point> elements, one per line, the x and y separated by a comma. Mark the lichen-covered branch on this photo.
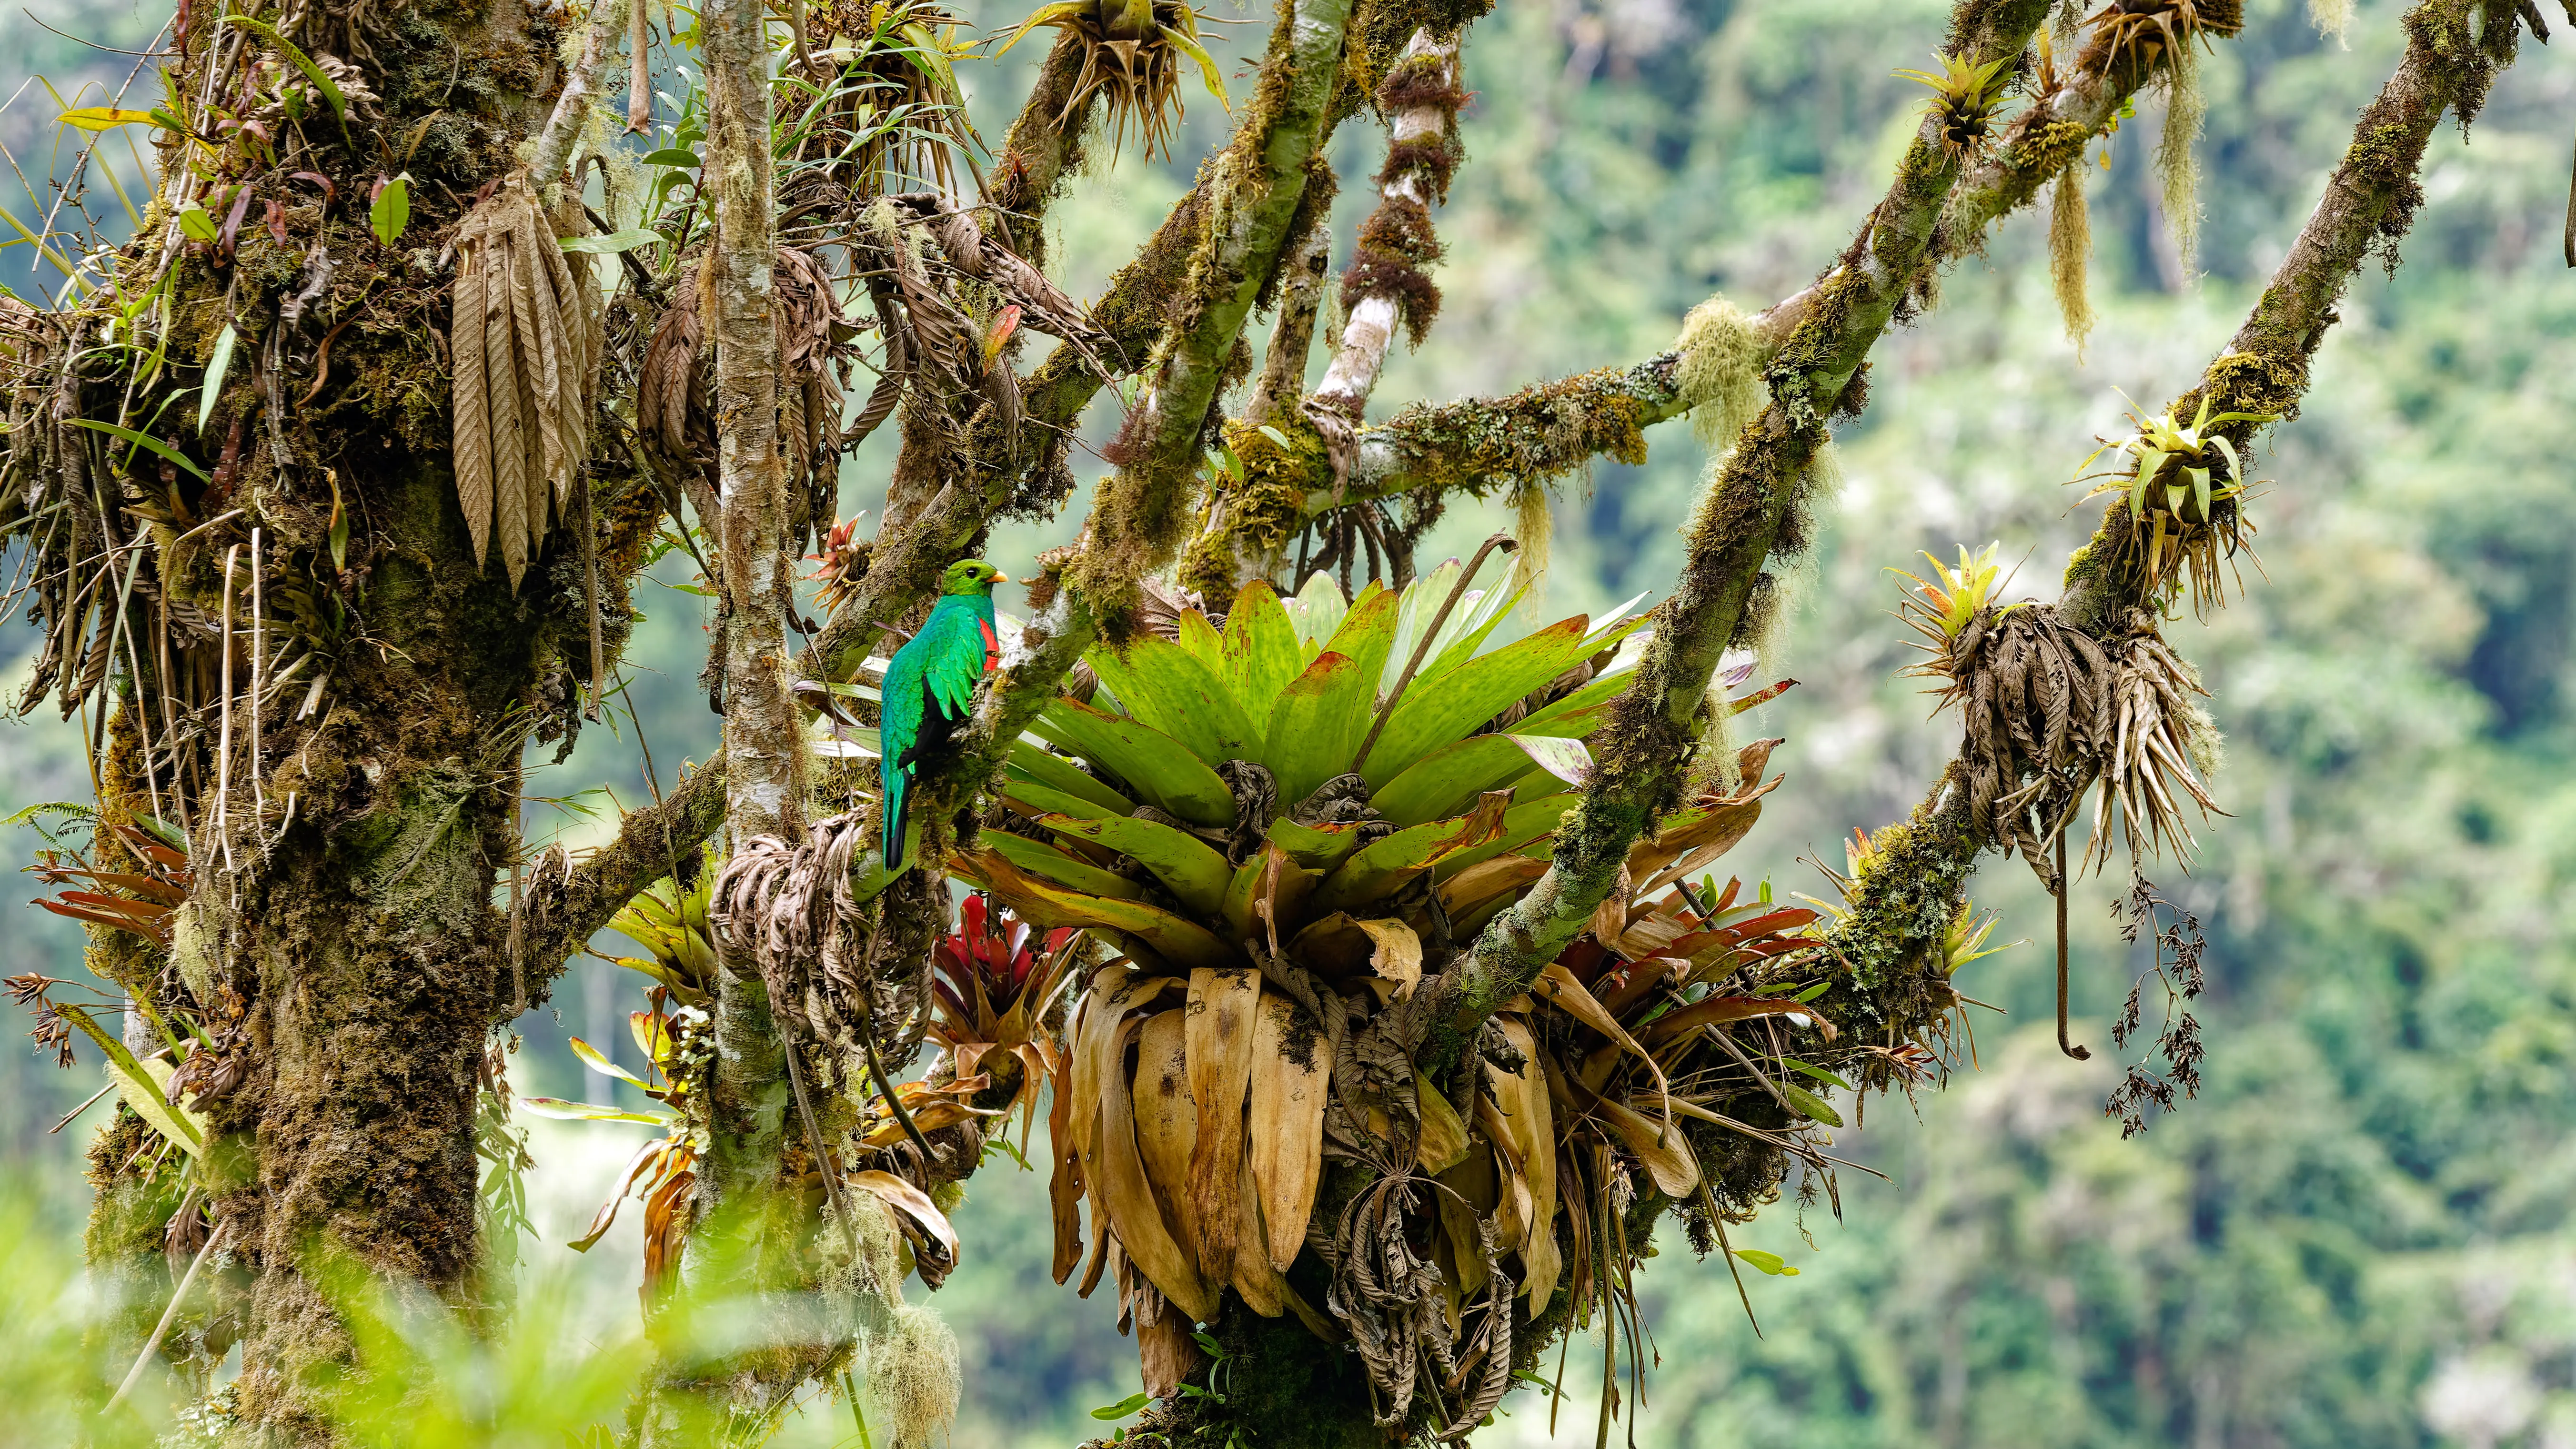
<point>1904,903</point>
<point>563,911</point>
<point>2369,204</point>
<point>1752,507</point>
<point>1385,287</point>
<point>583,82</point>
<point>764,747</point>
<point>1252,213</point>
<point>906,557</point>
<point>1249,213</point>
<point>1249,518</point>
<point>1042,144</point>
<point>1551,429</point>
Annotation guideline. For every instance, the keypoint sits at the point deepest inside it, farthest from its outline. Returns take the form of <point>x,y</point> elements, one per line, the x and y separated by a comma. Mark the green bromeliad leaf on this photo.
<point>1031,798</point>
<point>1181,692</point>
<point>1317,610</point>
<point>1319,847</point>
<point>1178,781</point>
<point>1449,779</point>
<point>1527,828</point>
<point>1196,874</point>
<point>1260,650</point>
<point>1060,866</point>
<point>1040,903</point>
<point>1060,774</point>
<point>1296,885</point>
<point>1391,862</point>
<point>1438,710</point>
<point>1320,719</point>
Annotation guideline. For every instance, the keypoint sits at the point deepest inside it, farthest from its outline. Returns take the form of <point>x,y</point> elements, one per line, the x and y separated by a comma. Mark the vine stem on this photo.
<point>2077,1052</point>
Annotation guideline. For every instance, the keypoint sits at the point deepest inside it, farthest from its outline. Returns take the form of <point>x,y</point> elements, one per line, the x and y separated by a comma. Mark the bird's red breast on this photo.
<point>992,646</point>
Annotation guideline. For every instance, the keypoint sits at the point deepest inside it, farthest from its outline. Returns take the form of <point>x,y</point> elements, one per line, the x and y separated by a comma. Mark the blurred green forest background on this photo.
<point>2361,1234</point>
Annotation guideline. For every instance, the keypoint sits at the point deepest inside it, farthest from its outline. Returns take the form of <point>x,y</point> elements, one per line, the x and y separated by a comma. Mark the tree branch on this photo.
<point>582,84</point>
<point>2369,204</point>
<point>567,910</point>
<point>1042,144</point>
<point>1524,435</point>
<point>1906,901</point>
<point>1251,196</point>
<point>904,565</point>
<point>1252,206</point>
<point>1753,506</point>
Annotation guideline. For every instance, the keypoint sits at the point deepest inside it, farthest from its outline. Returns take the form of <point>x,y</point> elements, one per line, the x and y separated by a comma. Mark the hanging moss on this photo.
<point>913,1379</point>
<point>1534,529</point>
<point>2177,164</point>
<point>1719,376</point>
<point>2332,18</point>
<point>2070,251</point>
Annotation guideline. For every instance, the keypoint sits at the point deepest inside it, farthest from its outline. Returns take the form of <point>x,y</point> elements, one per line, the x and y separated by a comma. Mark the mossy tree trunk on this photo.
<point>342,944</point>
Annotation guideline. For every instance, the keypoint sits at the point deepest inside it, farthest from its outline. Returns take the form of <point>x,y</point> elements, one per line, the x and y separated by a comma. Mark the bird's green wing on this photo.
<point>961,642</point>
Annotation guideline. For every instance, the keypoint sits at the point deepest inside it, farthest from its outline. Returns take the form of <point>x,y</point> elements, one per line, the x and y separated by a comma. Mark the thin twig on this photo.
<point>814,1140</point>
<point>885,1088</point>
<point>224,739</point>
<point>2077,1052</point>
<point>1422,646</point>
<point>258,673</point>
<point>169,1315</point>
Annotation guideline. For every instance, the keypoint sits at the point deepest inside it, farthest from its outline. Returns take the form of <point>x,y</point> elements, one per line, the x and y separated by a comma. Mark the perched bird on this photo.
<point>930,683</point>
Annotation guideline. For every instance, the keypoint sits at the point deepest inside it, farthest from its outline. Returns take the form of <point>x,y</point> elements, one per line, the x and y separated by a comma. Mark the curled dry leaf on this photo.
<point>934,1241</point>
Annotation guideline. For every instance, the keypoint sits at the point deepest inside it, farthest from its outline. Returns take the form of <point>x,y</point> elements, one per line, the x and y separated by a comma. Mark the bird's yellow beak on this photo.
<point>1001,578</point>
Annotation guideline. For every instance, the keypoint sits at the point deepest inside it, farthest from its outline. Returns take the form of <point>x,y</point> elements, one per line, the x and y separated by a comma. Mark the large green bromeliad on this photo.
<point>930,683</point>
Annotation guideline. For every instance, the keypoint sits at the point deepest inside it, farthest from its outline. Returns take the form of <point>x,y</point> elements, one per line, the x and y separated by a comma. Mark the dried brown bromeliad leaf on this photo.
<point>674,400</point>
<point>527,343</point>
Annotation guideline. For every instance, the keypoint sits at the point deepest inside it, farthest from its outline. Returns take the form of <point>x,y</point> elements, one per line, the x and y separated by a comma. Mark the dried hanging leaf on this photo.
<point>1065,1175</point>
<point>1290,1073</point>
<point>1115,991</point>
<point>1444,1137</point>
<point>934,1240</point>
<point>1167,1123</point>
<point>1219,1035</point>
<point>1263,1290</point>
<point>1474,1196</point>
<point>1134,1215</point>
<point>526,331</point>
<point>1523,1098</point>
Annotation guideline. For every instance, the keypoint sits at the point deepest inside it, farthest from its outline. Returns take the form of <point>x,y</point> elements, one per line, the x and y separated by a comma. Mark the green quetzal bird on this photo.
<point>930,684</point>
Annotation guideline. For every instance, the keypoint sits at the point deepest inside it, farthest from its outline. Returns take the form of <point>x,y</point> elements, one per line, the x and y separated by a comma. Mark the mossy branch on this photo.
<point>2369,204</point>
<point>1042,144</point>
<point>1643,753</point>
<point>904,565</point>
<point>564,911</point>
<point>1250,196</point>
<point>1259,180</point>
<point>583,82</point>
<point>1552,429</point>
